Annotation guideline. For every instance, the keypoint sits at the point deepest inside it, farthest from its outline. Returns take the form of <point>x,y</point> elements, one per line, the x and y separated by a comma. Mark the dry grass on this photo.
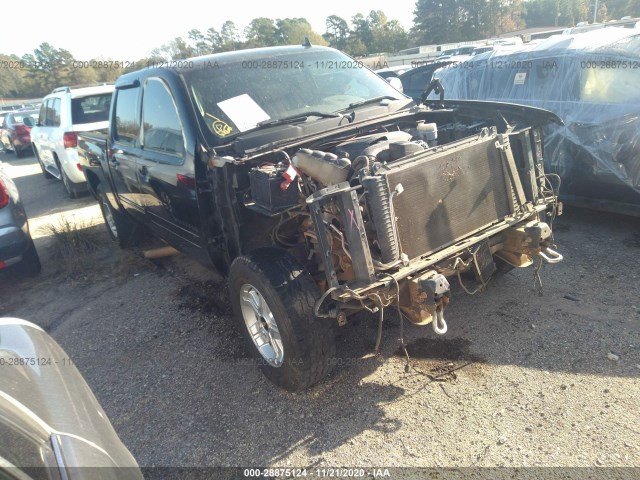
<point>75,245</point>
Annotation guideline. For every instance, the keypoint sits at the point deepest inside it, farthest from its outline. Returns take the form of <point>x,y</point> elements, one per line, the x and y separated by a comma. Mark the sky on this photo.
<point>127,30</point>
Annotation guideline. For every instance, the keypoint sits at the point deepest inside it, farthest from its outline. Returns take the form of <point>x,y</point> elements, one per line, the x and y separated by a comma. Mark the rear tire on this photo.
<point>273,296</point>
<point>68,184</point>
<point>46,174</point>
<point>121,228</point>
<point>30,264</point>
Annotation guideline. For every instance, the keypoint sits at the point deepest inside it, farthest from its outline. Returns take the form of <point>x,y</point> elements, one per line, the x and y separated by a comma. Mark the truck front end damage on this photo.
<point>390,217</point>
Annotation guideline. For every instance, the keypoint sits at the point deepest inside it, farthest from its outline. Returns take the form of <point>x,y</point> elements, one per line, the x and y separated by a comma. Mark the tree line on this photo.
<point>435,22</point>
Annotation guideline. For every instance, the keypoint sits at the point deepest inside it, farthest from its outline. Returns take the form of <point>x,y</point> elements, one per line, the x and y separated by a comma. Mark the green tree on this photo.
<point>212,41</point>
<point>47,68</point>
<point>198,39</point>
<point>622,8</point>
<point>387,36</point>
<point>176,49</point>
<point>11,77</point>
<point>438,21</point>
<point>361,29</point>
<point>261,32</point>
<point>545,13</point>
<point>292,31</point>
<point>337,32</point>
<point>230,37</point>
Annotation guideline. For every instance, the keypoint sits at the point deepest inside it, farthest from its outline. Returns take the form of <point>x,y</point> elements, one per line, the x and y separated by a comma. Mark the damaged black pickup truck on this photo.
<point>321,191</point>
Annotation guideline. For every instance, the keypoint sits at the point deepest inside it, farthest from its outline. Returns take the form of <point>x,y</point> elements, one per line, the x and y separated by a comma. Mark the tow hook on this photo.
<point>439,324</point>
<point>439,287</point>
<point>549,255</point>
<point>428,297</point>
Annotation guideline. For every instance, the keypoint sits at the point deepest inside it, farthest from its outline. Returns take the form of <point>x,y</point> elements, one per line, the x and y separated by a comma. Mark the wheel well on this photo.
<point>92,182</point>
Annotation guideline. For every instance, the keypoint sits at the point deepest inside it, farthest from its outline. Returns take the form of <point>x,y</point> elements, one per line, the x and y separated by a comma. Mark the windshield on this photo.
<point>240,96</point>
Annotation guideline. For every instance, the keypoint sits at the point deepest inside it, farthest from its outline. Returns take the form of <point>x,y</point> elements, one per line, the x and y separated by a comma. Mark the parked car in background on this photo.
<point>392,75</point>
<point>465,50</point>
<point>51,425</point>
<point>592,81</point>
<point>64,113</point>
<point>483,49</point>
<point>416,80</point>
<point>16,246</point>
<point>396,71</point>
<point>2,115</point>
<point>16,134</point>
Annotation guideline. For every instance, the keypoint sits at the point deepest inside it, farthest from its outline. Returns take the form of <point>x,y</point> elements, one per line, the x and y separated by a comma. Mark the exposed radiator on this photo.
<point>448,194</point>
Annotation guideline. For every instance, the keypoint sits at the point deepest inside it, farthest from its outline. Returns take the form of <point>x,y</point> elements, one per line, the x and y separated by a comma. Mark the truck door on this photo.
<point>125,149</point>
<point>165,169</point>
<point>48,123</point>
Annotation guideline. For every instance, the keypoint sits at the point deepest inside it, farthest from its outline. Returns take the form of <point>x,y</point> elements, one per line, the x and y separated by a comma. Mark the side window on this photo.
<point>162,129</point>
<point>49,122</point>
<point>43,113</point>
<point>127,124</point>
<point>56,112</point>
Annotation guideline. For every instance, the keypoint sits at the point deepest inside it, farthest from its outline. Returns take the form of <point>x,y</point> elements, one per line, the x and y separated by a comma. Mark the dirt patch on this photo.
<point>211,300</point>
<point>456,349</point>
<point>439,358</point>
<point>206,297</point>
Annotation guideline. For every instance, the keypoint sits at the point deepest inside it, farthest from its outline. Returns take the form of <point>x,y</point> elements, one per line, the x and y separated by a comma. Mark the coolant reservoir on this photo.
<point>428,132</point>
<point>326,168</point>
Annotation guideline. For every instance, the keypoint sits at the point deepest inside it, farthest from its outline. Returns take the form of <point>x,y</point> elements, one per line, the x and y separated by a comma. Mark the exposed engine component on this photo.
<point>364,234</point>
<point>427,132</point>
<point>326,168</point>
<point>381,210</point>
<point>354,148</point>
<point>267,189</point>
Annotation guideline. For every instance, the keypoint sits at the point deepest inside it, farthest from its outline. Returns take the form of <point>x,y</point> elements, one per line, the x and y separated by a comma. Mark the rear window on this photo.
<point>90,109</point>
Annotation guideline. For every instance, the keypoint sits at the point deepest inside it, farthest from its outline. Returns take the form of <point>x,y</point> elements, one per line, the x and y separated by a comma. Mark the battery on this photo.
<point>266,191</point>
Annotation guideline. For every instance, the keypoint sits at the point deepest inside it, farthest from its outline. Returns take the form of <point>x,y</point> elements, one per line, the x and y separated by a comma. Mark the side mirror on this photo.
<point>395,83</point>
<point>29,122</point>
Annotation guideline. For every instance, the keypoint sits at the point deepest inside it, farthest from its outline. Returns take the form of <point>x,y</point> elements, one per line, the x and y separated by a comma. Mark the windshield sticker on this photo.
<point>244,112</point>
<point>220,127</point>
<point>520,78</point>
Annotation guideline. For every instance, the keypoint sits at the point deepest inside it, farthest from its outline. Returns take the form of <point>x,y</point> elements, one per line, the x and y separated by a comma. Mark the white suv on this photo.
<point>64,113</point>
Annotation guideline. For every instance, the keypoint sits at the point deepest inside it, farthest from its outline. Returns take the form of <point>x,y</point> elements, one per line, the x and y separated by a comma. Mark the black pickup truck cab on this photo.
<point>321,191</point>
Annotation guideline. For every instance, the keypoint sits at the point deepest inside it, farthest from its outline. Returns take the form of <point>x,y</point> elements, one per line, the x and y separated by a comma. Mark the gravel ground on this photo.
<point>519,380</point>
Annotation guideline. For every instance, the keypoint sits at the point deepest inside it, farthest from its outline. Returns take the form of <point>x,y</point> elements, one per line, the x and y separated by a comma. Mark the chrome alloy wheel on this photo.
<point>261,325</point>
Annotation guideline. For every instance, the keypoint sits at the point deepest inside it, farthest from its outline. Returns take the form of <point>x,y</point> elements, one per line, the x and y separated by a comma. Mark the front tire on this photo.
<point>273,296</point>
<point>121,228</point>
